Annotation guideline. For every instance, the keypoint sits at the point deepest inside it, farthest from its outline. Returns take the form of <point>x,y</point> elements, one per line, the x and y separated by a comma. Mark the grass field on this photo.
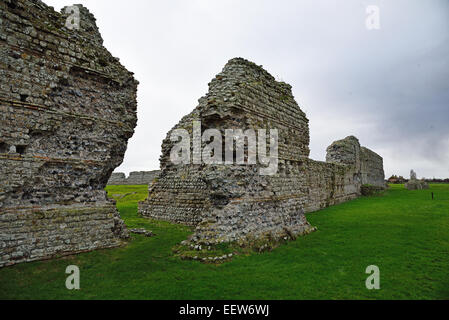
<point>405,233</point>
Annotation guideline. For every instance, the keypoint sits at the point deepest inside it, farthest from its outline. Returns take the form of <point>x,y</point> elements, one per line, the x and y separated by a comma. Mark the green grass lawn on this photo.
<point>405,233</point>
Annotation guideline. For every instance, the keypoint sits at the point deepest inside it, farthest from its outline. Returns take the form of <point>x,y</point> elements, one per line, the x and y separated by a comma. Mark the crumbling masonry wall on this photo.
<point>67,110</point>
<point>348,166</point>
<point>233,203</point>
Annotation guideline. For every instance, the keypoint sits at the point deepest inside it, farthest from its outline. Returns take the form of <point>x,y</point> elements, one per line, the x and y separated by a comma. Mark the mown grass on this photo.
<point>405,233</point>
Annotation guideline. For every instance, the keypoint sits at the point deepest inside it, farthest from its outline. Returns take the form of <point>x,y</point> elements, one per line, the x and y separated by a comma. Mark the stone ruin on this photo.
<point>227,203</point>
<point>414,183</point>
<point>68,108</point>
<point>135,178</point>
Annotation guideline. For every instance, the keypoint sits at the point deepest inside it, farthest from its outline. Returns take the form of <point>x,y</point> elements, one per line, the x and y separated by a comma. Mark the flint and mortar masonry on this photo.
<point>229,203</point>
<point>67,110</point>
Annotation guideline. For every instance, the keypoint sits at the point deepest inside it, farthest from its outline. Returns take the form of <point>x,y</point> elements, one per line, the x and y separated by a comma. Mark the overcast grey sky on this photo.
<point>389,87</point>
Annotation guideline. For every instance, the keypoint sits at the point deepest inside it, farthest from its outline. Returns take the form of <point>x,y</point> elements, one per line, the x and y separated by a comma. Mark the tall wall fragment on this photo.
<point>235,202</point>
<point>372,168</point>
<point>67,110</point>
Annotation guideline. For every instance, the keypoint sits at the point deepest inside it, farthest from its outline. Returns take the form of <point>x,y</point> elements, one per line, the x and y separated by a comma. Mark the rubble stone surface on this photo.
<point>67,110</point>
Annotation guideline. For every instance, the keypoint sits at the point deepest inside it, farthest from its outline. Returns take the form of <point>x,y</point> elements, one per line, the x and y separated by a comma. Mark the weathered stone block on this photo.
<point>415,184</point>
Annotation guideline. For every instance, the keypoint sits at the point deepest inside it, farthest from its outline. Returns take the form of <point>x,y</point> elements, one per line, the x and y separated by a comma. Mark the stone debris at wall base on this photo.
<point>145,232</point>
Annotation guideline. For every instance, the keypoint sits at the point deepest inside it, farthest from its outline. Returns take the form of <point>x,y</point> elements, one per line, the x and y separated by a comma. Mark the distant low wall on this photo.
<point>329,184</point>
<point>135,178</point>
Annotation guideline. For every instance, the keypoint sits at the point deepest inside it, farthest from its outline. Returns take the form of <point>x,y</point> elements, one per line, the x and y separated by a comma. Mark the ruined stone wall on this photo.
<point>117,178</point>
<point>367,165</point>
<point>235,202</point>
<point>372,168</point>
<point>328,184</point>
<point>348,166</point>
<point>135,178</point>
<point>67,109</point>
<point>231,202</point>
<point>242,96</point>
